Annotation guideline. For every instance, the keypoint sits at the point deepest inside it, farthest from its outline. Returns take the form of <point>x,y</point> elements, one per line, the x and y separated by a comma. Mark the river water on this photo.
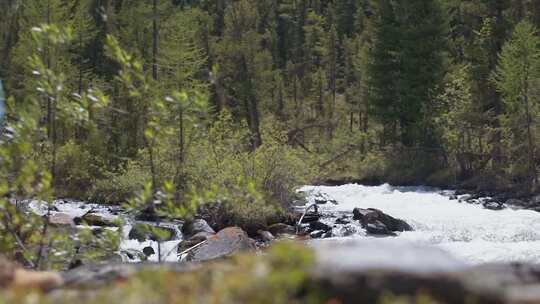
<point>466,231</point>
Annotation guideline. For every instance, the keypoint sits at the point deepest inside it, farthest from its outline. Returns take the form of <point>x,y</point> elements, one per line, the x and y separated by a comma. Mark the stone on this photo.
<point>516,202</point>
<point>61,219</point>
<point>342,221</point>
<point>148,251</point>
<point>323,198</point>
<point>225,243</point>
<point>493,205</point>
<point>13,276</point>
<point>266,236</point>
<point>97,219</point>
<point>142,232</point>
<point>194,240</point>
<point>371,216</point>
<point>317,234</point>
<point>280,228</point>
<point>191,228</point>
<point>378,228</point>
<point>319,226</point>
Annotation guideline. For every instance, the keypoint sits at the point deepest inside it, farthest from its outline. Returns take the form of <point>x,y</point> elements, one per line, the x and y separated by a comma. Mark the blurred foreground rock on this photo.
<point>12,276</point>
<point>347,272</point>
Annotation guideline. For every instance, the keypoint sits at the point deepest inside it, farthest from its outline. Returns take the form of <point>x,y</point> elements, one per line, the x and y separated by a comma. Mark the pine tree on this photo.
<point>407,66</point>
<point>516,77</point>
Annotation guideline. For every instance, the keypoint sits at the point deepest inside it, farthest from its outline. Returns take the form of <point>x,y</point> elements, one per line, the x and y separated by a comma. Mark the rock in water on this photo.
<point>319,226</point>
<point>194,240</point>
<point>377,218</point>
<point>266,236</point>
<point>142,232</point>
<point>493,205</point>
<point>378,228</point>
<point>61,219</point>
<point>97,219</point>
<point>280,228</point>
<point>225,243</point>
<point>191,228</point>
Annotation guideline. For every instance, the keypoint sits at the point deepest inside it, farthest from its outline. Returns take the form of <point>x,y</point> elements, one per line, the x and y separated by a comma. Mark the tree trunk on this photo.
<point>154,41</point>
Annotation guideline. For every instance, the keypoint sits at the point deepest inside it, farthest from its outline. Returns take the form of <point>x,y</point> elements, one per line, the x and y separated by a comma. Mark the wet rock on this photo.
<point>148,251</point>
<point>372,216</point>
<point>342,221</point>
<point>493,205</point>
<point>132,254</point>
<point>280,228</point>
<point>317,234</point>
<point>313,226</point>
<point>266,236</point>
<point>311,217</point>
<point>142,232</point>
<point>194,240</point>
<point>323,198</point>
<point>378,228</point>
<point>225,243</point>
<point>97,219</point>
<point>191,228</point>
<point>61,219</point>
<point>516,202</point>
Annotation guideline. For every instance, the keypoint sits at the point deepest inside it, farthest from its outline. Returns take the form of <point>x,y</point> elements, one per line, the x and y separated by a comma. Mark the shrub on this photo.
<point>119,187</point>
<point>76,171</point>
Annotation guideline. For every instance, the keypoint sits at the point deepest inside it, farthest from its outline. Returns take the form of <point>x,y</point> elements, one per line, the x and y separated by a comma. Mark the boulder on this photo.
<point>97,219</point>
<point>61,219</point>
<point>280,228</point>
<point>142,232</point>
<point>352,278</point>
<point>377,217</point>
<point>148,251</point>
<point>13,276</point>
<point>225,243</point>
<point>191,228</point>
<point>378,228</point>
<point>194,240</point>
<point>313,226</point>
<point>266,236</point>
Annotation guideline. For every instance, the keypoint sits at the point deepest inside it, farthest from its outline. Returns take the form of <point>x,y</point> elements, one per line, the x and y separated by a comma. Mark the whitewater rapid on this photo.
<point>466,231</point>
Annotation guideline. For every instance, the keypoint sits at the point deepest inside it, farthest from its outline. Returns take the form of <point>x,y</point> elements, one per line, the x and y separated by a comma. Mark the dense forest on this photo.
<point>167,105</point>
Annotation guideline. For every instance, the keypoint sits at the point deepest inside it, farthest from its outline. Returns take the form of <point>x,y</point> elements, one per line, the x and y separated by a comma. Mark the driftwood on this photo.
<point>191,248</point>
<point>314,206</point>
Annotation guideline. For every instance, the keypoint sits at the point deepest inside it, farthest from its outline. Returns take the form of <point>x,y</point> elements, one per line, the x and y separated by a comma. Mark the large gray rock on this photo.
<point>363,271</point>
<point>225,243</point>
<point>375,221</point>
<point>191,228</point>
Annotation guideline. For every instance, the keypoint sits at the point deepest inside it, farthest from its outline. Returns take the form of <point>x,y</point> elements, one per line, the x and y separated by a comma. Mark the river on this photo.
<point>467,231</point>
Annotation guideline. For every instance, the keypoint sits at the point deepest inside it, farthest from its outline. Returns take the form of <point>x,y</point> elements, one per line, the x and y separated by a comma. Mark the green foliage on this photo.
<point>516,78</point>
<point>78,170</point>
<point>119,187</point>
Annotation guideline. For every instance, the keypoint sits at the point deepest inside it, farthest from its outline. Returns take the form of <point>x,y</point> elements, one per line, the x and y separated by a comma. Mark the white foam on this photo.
<point>467,231</point>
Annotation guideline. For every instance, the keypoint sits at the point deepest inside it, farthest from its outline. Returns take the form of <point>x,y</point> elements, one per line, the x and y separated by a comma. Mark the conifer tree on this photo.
<point>517,77</point>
